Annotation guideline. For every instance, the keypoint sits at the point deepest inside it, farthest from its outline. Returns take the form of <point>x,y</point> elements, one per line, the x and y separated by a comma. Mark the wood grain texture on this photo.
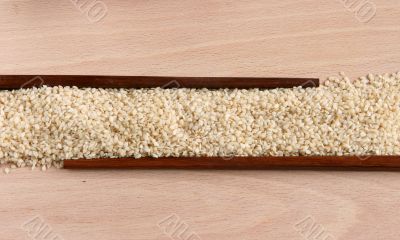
<point>26,81</point>
<point>296,38</point>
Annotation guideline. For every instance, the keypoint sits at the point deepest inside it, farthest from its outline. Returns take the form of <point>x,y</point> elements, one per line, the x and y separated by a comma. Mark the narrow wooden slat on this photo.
<point>26,81</point>
<point>237,162</point>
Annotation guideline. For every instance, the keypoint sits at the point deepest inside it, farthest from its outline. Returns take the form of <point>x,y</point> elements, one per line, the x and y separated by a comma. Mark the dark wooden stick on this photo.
<point>237,162</point>
<point>26,81</point>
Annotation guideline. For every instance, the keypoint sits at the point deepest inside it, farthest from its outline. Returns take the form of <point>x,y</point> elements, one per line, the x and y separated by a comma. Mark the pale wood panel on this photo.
<point>214,204</point>
<point>197,38</point>
<point>200,38</point>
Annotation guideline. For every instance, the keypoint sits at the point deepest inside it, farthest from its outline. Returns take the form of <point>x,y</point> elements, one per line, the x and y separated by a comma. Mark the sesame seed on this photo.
<point>41,127</point>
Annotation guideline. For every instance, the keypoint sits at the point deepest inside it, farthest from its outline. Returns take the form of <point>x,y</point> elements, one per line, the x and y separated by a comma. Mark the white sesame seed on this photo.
<point>40,127</point>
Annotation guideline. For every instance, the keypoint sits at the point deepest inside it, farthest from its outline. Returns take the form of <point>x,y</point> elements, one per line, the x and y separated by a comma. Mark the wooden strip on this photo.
<point>237,162</point>
<point>26,81</point>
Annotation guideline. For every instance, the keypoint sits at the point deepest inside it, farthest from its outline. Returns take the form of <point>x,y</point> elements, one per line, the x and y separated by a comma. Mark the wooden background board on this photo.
<point>288,38</point>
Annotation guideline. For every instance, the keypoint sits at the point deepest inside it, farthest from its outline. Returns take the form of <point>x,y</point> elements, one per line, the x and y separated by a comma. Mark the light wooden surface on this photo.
<point>288,38</point>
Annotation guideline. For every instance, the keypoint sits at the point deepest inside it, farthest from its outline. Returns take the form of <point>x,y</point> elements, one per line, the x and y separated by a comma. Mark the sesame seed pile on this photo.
<point>40,127</point>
